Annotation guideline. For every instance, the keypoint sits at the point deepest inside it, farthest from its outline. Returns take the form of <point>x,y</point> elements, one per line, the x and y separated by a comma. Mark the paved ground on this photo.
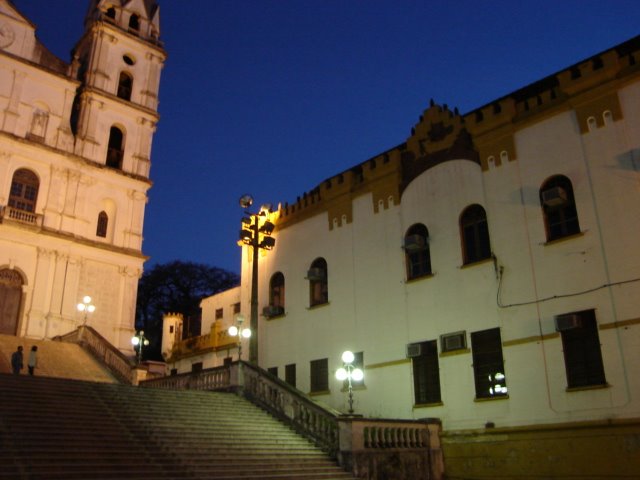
<point>55,359</point>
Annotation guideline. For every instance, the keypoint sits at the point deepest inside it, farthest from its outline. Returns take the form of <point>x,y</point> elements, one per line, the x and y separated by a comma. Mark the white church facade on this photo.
<point>75,152</point>
<point>485,271</point>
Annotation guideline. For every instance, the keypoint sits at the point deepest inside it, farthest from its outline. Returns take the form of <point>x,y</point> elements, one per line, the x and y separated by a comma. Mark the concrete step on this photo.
<point>67,429</point>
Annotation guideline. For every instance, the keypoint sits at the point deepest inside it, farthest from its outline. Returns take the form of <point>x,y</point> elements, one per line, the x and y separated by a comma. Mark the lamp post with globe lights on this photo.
<point>256,232</point>
<point>86,307</point>
<point>237,331</point>
<point>140,341</point>
<point>350,373</point>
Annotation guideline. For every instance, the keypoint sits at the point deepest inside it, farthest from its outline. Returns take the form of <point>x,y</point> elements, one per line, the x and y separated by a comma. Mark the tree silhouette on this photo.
<point>176,287</point>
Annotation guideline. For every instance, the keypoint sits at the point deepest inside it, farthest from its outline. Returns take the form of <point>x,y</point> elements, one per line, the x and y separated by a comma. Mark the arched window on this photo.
<point>115,150</point>
<point>276,294</point>
<point>103,224</point>
<point>559,208</point>
<point>125,85</point>
<point>134,22</point>
<point>474,231</point>
<point>318,286</point>
<point>416,252</point>
<point>111,12</point>
<point>24,190</point>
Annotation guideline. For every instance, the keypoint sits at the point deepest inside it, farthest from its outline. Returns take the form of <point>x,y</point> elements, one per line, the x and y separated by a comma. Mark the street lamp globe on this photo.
<point>348,356</point>
<point>342,374</point>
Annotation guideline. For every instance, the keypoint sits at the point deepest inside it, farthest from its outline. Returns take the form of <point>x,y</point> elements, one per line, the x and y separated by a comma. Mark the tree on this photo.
<point>176,287</point>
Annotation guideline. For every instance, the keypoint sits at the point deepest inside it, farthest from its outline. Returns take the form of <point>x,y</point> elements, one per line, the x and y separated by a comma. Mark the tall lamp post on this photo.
<point>256,232</point>
<point>350,373</point>
<point>140,341</point>
<point>86,307</point>
<point>237,331</point>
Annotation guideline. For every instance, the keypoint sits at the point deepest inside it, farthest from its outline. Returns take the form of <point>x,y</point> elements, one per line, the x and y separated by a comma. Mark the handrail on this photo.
<point>363,446</point>
<point>119,364</point>
<point>217,378</point>
<point>308,417</point>
<point>315,421</point>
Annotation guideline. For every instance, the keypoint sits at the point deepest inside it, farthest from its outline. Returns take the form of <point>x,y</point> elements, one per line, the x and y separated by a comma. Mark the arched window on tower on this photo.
<point>318,285</point>
<point>276,295</point>
<point>115,149</point>
<point>24,190</point>
<point>111,13</point>
<point>134,22</point>
<point>474,232</point>
<point>559,208</point>
<point>125,85</point>
<point>103,224</point>
<point>416,252</point>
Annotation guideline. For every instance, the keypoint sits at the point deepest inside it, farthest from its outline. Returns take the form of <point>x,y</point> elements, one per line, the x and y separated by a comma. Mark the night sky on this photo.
<point>272,97</point>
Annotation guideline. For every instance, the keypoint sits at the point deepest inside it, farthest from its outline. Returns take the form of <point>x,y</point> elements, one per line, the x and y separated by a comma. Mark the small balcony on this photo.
<point>218,339</point>
<point>10,214</point>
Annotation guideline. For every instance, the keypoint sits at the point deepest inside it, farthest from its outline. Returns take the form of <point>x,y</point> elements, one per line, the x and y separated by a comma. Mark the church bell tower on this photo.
<point>118,62</point>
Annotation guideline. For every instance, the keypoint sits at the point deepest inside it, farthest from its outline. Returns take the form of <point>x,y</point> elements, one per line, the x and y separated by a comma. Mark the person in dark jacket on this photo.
<point>16,361</point>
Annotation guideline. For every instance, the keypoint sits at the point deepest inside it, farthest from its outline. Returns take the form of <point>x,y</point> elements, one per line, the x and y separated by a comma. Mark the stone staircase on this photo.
<point>52,428</point>
<point>55,359</point>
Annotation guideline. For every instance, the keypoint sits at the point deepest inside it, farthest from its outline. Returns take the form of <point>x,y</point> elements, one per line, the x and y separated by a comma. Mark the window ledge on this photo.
<point>427,405</point>
<point>275,317</point>
<point>320,392</point>
<point>319,305</point>
<point>491,399</point>
<point>565,238</point>
<point>588,387</point>
<point>421,277</point>
<point>455,352</point>
<point>477,262</point>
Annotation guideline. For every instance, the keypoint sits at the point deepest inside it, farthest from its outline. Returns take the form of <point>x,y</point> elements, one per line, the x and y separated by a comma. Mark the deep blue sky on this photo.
<point>271,97</point>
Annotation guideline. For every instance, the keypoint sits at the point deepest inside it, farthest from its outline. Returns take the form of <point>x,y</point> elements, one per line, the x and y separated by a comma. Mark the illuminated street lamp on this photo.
<point>256,232</point>
<point>140,341</point>
<point>86,307</point>
<point>237,331</point>
<point>350,373</point>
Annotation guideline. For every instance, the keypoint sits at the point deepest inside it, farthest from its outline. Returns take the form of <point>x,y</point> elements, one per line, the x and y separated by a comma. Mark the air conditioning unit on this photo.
<point>272,311</point>
<point>414,350</point>
<point>453,341</point>
<point>413,243</point>
<point>316,274</point>
<point>554,197</point>
<point>568,321</point>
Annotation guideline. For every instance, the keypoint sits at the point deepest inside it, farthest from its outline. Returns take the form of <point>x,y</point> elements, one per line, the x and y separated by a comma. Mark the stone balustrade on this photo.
<point>370,448</point>
<point>21,216</point>
<point>119,364</point>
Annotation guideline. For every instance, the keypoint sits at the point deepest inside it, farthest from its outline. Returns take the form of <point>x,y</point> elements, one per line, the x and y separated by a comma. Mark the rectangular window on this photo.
<point>196,367</point>
<point>320,375</point>
<point>236,307</point>
<point>219,313</point>
<point>426,374</point>
<point>290,374</point>
<point>488,364</point>
<point>273,371</point>
<point>227,361</point>
<point>582,354</point>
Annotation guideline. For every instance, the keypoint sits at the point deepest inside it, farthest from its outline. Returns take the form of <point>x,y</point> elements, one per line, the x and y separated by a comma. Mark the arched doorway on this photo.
<point>10,299</point>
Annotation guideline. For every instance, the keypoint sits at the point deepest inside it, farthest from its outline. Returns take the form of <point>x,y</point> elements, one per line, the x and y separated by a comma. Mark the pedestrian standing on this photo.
<point>16,361</point>
<point>33,359</point>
